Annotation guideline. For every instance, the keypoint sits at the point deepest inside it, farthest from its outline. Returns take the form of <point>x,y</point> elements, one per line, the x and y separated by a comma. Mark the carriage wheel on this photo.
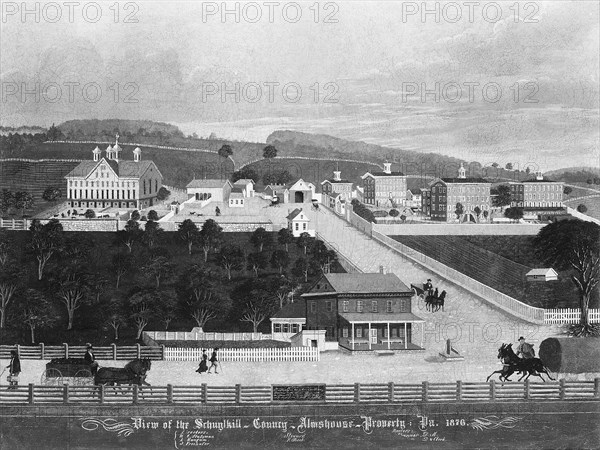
<point>83,377</point>
<point>52,377</point>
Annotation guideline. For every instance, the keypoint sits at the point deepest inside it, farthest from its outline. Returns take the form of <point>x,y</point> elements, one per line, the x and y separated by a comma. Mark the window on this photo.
<point>277,328</point>
<point>286,328</point>
<point>304,226</point>
<point>345,332</point>
<point>403,305</point>
<point>359,306</point>
<point>345,305</point>
<point>329,305</point>
<point>388,306</point>
<point>297,226</point>
<point>359,332</point>
<point>385,332</point>
<point>313,307</point>
<point>374,306</point>
<point>295,328</point>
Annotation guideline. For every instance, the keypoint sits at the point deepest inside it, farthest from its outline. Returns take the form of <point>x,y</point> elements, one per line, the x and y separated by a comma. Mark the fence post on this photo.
<point>66,347</point>
<point>66,393</point>
<point>204,399</point>
<point>162,352</point>
<point>596,387</point>
<point>169,393</point>
<point>30,398</point>
<point>114,350</point>
<point>493,390</point>
<point>42,350</point>
<point>391,391</point>
<point>357,392</point>
<point>562,390</point>
<point>458,390</point>
<point>527,390</point>
<point>238,393</point>
<point>101,393</point>
<point>136,393</point>
<point>19,350</point>
<point>425,391</point>
<point>139,351</point>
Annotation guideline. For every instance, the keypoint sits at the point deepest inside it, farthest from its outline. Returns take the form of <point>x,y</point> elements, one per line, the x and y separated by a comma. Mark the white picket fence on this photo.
<point>569,315</point>
<point>245,354</point>
<point>212,336</point>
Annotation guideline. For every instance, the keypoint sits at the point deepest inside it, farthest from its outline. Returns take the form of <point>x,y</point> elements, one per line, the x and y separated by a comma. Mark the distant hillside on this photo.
<point>94,128</point>
<point>576,175</point>
<point>5,131</point>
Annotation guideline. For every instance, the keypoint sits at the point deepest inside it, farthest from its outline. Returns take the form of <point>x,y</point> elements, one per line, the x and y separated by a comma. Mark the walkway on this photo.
<point>475,327</point>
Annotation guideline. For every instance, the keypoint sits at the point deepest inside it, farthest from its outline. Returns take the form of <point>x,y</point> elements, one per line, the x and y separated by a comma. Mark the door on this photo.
<point>373,335</point>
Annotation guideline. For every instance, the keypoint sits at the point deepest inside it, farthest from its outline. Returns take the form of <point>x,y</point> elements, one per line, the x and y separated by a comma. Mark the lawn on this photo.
<point>89,323</point>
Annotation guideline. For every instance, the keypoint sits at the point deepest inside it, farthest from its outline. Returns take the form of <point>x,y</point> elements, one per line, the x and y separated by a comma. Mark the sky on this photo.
<point>516,78</point>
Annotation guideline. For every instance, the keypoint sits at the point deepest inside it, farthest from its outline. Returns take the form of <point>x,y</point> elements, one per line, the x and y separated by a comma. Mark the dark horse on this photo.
<point>134,372</point>
<point>526,366</point>
<point>433,302</point>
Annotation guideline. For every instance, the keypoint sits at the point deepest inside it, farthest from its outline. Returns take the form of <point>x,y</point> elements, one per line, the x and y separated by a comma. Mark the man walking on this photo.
<point>214,362</point>
<point>14,369</point>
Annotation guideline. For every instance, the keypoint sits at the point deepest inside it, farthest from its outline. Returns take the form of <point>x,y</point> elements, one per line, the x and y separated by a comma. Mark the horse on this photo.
<point>507,368</point>
<point>434,303</point>
<point>134,372</point>
<point>526,366</point>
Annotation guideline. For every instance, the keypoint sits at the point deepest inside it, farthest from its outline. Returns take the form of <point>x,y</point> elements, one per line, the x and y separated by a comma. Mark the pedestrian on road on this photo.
<point>14,369</point>
<point>203,367</point>
<point>214,362</point>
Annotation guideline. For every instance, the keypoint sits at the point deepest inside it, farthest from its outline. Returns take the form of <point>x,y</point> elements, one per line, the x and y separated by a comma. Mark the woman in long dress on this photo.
<point>203,364</point>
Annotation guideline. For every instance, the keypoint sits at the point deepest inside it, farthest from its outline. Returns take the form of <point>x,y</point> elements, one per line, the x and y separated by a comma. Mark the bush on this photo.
<point>582,208</point>
<point>394,213</point>
<point>90,214</point>
<point>152,215</point>
<point>567,190</point>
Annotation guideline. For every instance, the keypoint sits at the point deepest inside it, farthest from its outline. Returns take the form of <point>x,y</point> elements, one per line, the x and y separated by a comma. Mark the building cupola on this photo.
<point>539,175</point>
<point>337,175</point>
<point>462,172</point>
<point>116,148</point>
<point>109,153</point>
<point>137,154</point>
<point>96,152</point>
<point>387,167</point>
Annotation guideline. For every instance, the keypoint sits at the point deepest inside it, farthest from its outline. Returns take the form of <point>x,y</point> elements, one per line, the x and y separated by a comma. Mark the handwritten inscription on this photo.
<point>310,392</point>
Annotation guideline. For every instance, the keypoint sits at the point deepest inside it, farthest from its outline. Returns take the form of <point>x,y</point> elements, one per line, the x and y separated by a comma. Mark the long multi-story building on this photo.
<point>337,185</point>
<point>112,182</point>
<point>472,193</point>
<point>385,189</point>
<point>542,193</point>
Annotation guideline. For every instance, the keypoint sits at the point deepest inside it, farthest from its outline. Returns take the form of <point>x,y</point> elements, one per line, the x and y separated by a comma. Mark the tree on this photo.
<point>394,213</point>
<point>574,245</point>
<point>486,213</point>
<point>515,213</point>
<point>153,215</point>
<point>158,268</point>
<point>152,232</point>
<point>285,237</point>
<point>51,194</point>
<point>280,260</point>
<point>301,268</point>
<point>8,288</point>
<point>567,190</point>
<point>231,257</point>
<point>7,201</point>
<point>261,237</point>
<point>582,208</point>
<point>322,256</point>
<point>115,317</point>
<point>211,236</point>
<point>259,308</point>
<point>509,166</point>
<point>142,305</point>
<point>203,305</point>
<point>55,134</point>
<point>304,240</point>
<point>121,264</point>
<point>167,309</point>
<point>257,261</point>
<point>477,211</point>
<point>36,312</point>
<point>501,195</point>
<point>89,214</point>
<point>163,193</point>
<point>495,164</point>
<point>97,284</point>
<point>225,151</point>
<point>72,293</point>
<point>188,232</point>
<point>46,241</point>
<point>459,210</point>
<point>135,215</point>
<point>403,218</point>
<point>130,234</point>
<point>5,249</point>
<point>23,201</point>
<point>269,152</point>
<point>527,170</point>
<point>245,173</point>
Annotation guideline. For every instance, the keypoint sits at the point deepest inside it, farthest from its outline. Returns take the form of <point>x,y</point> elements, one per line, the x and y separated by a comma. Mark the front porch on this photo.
<point>362,345</point>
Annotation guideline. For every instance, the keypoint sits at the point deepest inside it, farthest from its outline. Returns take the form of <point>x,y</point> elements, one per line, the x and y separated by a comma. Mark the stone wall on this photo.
<point>456,229</point>
<point>84,224</point>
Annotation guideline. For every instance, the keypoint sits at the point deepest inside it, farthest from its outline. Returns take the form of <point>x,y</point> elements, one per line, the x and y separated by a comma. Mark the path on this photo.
<point>476,328</point>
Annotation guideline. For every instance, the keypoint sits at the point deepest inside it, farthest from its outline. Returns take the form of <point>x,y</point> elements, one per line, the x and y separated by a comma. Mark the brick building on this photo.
<point>384,189</point>
<point>337,185</point>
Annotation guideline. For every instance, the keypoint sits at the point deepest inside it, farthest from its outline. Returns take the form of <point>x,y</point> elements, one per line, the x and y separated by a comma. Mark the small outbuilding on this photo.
<point>548,274</point>
<point>299,223</point>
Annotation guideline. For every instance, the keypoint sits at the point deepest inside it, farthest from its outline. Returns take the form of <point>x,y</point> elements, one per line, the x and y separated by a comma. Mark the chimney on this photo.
<point>337,175</point>
<point>387,167</point>
<point>539,176</point>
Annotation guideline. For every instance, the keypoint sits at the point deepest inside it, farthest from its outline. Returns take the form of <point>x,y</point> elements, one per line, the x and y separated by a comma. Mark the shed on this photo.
<point>548,274</point>
<point>571,355</point>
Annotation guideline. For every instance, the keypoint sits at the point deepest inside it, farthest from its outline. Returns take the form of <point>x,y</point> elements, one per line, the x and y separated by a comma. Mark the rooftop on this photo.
<point>125,169</point>
<point>292,310</point>
<point>207,183</point>
<point>361,283</point>
<point>466,180</point>
<point>384,174</point>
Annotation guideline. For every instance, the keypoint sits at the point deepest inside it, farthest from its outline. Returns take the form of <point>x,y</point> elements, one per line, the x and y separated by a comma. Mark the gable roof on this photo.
<point>243,181</point>
<point>545,180</point>
<point>382,174</point>
<point>544,272</point>
<point>294,214</point>
<point>296,310</point>
<point>123,169</point>
<point>213,184</point>
<point>336,181</point>
<point>237,189</point>
<point>365,283</point>
<point>297,185</point>
<point>464,180</point>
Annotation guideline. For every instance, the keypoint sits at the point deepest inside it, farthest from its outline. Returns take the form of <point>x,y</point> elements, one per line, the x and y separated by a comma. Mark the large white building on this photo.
<point>112,182</point>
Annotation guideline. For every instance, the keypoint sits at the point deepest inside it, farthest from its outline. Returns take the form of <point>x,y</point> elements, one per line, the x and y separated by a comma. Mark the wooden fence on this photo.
<point>246,354</point>
<point>349,393</point>
<point>66,351</point>
<point>13,224</point>
<point>193,336</point>
<point>569,315</point>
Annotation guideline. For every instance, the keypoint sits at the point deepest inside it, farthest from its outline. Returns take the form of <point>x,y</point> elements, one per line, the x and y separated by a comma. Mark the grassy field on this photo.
<point>500,262</point>
<point>89,324</point>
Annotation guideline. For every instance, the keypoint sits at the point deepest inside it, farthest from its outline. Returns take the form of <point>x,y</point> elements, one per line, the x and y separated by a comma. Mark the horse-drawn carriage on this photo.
<point>67,371</point>
<point>434,301</point>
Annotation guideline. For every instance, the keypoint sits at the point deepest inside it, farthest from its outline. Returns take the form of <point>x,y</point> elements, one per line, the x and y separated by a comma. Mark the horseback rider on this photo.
<point>524,349</point>
<point>427,286</point>
<point>90,359</point>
